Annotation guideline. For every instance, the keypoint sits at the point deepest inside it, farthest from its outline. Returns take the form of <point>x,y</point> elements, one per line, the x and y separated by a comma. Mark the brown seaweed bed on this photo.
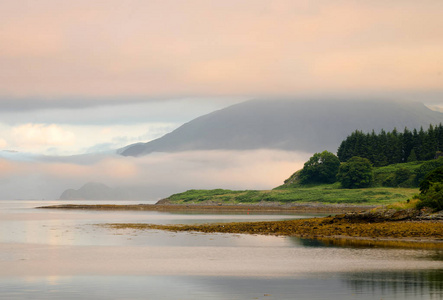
<point>346,229</point>
<point>356,225</point>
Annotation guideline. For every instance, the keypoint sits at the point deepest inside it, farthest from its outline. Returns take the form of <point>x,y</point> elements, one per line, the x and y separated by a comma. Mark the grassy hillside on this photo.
<point>392,183</point>
<point>407,175</point>
<point>328,194</point>
<point>403,175</point>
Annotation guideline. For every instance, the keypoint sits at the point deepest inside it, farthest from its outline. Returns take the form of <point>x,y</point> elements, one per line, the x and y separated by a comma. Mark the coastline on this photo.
<point>205,207</point>
<point>337,230</point>
<point>354,225</point>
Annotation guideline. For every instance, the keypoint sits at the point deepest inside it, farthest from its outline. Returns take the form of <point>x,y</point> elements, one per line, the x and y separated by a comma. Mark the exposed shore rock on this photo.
<point>382,228</point>
<point>329,228</point>
<point>267,207</point>
<point>383,215</point>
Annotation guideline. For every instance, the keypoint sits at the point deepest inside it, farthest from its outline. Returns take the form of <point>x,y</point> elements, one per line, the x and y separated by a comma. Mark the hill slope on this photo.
<point>299,125</point>
<point>100,191</point>
<point>91,190</point>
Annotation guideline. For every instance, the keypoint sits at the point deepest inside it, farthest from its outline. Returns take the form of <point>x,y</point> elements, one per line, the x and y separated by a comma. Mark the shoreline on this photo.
<point>353,225</point>
<point>334,231</point>
<point>259,207</point>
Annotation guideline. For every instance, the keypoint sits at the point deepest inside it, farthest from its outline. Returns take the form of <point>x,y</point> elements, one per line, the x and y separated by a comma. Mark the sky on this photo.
<point>69,130</point>
<point>72,68</point>
<point>80,77</point>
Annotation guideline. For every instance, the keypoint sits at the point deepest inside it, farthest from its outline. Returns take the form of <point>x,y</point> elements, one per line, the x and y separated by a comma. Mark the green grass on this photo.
<point>328,194</point>
<point>411,166</point>
<point>387,189</point>
<point>385,176</point>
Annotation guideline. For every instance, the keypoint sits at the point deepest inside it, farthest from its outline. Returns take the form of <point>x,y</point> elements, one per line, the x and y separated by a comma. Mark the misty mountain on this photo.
<point>100,191</point>
<point>301,125</point>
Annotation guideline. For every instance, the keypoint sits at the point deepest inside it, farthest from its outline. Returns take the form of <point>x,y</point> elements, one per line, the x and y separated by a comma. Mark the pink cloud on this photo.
<point>41,135</point>
<point>164,48</point>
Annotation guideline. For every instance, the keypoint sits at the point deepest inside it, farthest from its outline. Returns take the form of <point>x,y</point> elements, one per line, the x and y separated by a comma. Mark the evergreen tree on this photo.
<point>439,136</point>
<point>407,145</point>
<point>412,156</point>
<point>430,144</point>
<point>419,150</point>
<point>382,149</point>
<point>393,147</point>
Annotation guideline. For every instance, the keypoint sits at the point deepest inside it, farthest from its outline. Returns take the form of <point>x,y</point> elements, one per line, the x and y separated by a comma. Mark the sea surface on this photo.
<point>69,254</point>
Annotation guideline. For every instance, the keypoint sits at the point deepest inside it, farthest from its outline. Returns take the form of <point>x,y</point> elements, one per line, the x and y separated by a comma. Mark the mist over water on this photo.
<point>150,177</point>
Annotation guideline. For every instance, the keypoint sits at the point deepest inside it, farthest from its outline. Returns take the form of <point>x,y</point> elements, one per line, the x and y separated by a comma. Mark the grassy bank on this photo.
<point>393,183</point>
<point>211,209</point>
<point>328,194</point>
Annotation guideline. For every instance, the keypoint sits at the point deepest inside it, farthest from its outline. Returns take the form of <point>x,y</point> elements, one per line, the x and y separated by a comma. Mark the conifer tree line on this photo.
<point>393,147</point>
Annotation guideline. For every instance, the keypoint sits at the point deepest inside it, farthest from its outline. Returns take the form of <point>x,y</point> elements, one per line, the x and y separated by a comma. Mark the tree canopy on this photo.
<point>431,190</point>
<point>320,168</point>
<point>393,147</point>
<point>355,173</point>
<point>435,176</point>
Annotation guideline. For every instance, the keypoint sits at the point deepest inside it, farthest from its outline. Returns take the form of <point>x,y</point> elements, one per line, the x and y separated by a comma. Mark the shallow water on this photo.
<point>53,254</point>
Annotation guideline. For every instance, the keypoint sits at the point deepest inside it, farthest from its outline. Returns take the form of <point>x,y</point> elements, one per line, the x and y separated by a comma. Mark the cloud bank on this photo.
<point>61,130</point>
<point>158,175</point>
<point>200,47</point>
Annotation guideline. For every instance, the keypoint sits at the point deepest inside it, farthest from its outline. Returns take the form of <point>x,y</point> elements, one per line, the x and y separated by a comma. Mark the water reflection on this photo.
<point>21,223</point>
<point>60,248</point>
<point>377,285</point>
<point>309,243</point>
<point>412,284</point>
<point>363,244</point>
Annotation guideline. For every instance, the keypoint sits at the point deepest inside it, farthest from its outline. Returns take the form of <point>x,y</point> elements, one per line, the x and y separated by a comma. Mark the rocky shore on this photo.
<point>215,207</point>
<point>379,228</point>
<point>353,225</point>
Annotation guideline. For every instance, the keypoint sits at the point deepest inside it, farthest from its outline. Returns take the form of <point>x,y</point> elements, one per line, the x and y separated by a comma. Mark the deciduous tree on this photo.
<point>355,173</point>
<point>320,168</point>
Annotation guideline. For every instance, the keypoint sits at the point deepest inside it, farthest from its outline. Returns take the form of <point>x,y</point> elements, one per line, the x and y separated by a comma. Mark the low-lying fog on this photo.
<point>151,177</point>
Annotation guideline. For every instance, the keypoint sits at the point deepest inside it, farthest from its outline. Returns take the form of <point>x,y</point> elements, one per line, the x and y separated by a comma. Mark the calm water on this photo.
<point>62,254</point>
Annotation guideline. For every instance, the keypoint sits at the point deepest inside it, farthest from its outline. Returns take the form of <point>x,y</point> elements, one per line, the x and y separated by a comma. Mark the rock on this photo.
<point>433,216</point>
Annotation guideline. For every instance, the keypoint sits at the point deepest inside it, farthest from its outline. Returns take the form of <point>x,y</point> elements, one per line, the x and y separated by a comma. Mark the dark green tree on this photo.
<point>393,147</point>
<point>320,168</point>
<point>407,145</point>
<point>439,136</point>
<point>412,156</point>
<point>379,158</point>
<point>430,145</point>
<point>402,175</point>
<point>435,176</point>
<point>431,190</point>
<point>426,168</point>
<point>432,198</point>
<point>420,151</point>
<point>355,173</point>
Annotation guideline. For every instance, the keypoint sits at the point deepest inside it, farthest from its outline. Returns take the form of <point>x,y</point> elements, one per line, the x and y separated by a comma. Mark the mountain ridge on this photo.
<point>297,125</point>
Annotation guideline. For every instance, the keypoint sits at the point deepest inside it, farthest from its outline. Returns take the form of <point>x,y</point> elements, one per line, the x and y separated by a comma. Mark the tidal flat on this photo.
<point>335,230</point>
